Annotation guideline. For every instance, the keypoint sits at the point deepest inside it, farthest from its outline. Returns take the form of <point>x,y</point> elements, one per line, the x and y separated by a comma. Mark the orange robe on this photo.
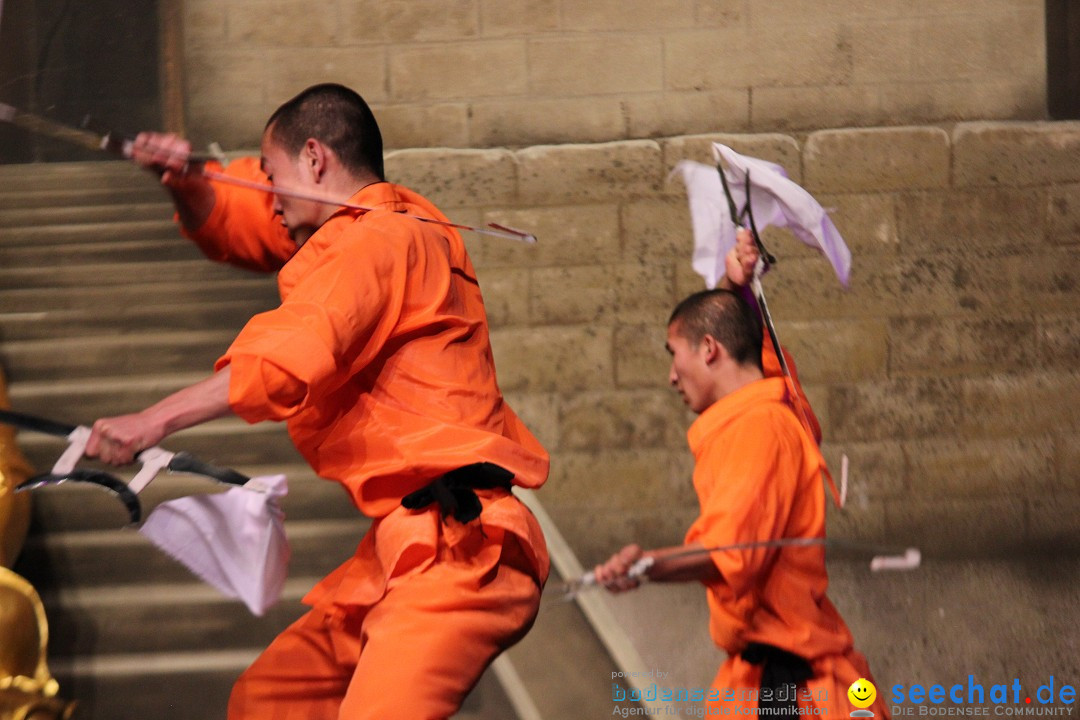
<point>379,361</point>
<point>758,477</point>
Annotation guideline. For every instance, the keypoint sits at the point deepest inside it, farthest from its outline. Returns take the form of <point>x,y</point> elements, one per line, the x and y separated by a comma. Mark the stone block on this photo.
<point>861,520</point>
<point>237,125</point>
<point>876,470</point>
<point>205,23</point>
<point>620,293</point>
<point>412,126</point>
<point>721,13</point>
<point>1039,402</point>
<point>646,16</point>
<point>565,174</point>
<point>274,23</point>
<point>883,50</point>
<point>1040,282</point>
<point>622,479</point>
<point>1016,154</point>
<point>825,12</point>
<point>867,222</point>
<point>519,18</point>
<point>970,527</point>
<point>506,295</point>
<point>1063,214</point>
<point>985,617</point>
<point>594,530</point>
<point>727,58</point>
<point>967,219</point>
<point>976,99</point>
<point>976,467</point>
<point>555,359</point>
<point>455,177</point>
<point>408,22</point>
<point>656,232</point>
<point>989,44</point>
<point>831,351</point>
<point>361,68</point>
<point>708,60</point>
<point>224,79</point>
<point>595,65</point>
<point>876,159</point>
<point>525,121</point>
<point>895,409</point>
<point>567,295</point>
<point>540,413</point>
<point>640,358</point>
<point>623,419</point>
<point>687,282</point>
<point>774,147</point>
<point>461,70</point>
<point>953,346</point>
<point>678,113</point>
<point>1058,341</point>
<point>572,235</point>
<point>800,108</point>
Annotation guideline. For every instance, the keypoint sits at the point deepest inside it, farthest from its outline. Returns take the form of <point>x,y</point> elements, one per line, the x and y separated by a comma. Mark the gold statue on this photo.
<point>27,690</point>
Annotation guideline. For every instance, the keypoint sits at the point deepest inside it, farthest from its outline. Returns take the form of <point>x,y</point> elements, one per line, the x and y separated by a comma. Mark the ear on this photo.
<point>711,350</point>
<point>314,158</point>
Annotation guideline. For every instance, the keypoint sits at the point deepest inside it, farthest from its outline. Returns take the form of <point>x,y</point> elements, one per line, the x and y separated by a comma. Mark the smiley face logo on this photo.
<point>862,693</point>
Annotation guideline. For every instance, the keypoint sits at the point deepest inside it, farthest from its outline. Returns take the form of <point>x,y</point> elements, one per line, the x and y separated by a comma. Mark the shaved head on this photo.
<point>337,117</point>
<point>727,318</point>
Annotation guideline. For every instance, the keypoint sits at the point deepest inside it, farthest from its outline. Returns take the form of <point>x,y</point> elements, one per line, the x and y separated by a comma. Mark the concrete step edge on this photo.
<point>157,663</point>
<point>104,539</point>
<point>186,593</point>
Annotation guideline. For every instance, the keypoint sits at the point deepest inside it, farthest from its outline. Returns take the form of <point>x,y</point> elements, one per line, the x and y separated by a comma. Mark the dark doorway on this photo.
<point>1063,59</point>
<point>94,65</point>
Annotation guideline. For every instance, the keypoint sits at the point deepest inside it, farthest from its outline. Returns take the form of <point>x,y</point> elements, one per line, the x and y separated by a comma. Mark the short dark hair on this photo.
<point>727,317</point>
<point>337,117</point>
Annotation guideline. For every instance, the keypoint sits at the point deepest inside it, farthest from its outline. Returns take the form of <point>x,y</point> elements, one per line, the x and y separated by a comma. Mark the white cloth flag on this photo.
<point>774,199</point>
<point>235,540</point>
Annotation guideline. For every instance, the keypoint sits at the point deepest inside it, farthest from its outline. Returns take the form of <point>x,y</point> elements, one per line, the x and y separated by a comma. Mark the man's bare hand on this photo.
<point>164,153</point>
<point>740,261</point>
<point>613,573</point>
<point>117,440</point>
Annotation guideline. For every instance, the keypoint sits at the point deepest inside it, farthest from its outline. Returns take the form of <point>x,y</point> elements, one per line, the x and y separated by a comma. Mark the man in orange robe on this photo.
<point>758,477</point>
<point>378,360</point>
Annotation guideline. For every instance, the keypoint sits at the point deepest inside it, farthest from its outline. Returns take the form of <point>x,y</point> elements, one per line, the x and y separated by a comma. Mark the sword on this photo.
<point>884,559</point>
<point>125,147</point>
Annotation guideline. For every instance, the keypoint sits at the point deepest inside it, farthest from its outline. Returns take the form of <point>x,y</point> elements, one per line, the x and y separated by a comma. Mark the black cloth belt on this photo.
<point>781,676</point>
<point>455,492</point>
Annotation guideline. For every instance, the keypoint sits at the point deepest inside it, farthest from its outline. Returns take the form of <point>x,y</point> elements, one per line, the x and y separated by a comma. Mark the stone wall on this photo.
<point>484,73</point>
<point>946,372</point>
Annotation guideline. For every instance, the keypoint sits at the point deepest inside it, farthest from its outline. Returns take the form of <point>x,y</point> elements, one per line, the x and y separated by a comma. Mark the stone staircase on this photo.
<point>103,310</point>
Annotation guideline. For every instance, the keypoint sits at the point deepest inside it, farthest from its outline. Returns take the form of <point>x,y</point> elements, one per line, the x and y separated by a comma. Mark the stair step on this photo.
<point>47,324</point>
<point>98,253</point>
<point>83,506</point>
<point>72,214</point>
<point>67,176</point>
<point>196,686</point>
<point>239,285</point>
<point>83,400</point>
<point>14,199</point>
<point>95,558</point>
<point>118,274</point>
<point>91,233</point>
<point>228,442</point>
<point>34,360</point>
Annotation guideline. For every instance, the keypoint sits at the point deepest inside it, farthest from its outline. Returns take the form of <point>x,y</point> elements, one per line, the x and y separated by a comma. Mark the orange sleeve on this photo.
<point>754,474</point>
<point>332,324</point>
<point>242,229</point>
<point>770,363</point>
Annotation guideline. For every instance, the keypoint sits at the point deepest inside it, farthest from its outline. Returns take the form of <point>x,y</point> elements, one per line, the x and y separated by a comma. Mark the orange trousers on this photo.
<point>413,655</point>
